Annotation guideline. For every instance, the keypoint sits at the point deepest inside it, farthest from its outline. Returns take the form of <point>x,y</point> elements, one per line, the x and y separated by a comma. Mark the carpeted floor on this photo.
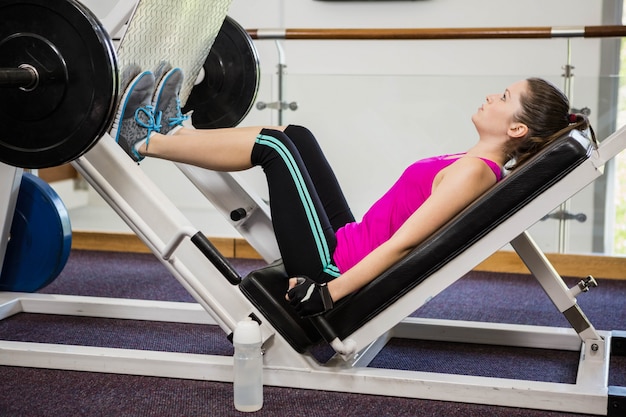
<point>477,297</point>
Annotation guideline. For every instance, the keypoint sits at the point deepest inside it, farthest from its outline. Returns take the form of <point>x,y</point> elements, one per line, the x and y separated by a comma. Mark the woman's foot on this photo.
<point>167,102</point>
<point>136,119</point>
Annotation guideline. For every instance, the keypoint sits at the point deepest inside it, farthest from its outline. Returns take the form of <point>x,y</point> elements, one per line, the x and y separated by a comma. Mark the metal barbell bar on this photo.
<point>25,76</point>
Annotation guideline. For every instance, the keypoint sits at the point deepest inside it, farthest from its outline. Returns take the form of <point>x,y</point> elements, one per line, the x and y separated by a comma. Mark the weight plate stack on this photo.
<point>231,80</point>
<point>41,238</point>
<point>72,104</point>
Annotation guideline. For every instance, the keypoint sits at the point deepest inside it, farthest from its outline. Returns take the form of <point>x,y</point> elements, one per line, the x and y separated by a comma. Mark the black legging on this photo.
<point>306,202</point>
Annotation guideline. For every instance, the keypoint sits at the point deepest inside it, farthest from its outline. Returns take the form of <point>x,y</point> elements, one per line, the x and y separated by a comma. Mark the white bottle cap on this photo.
<point>247,332</point>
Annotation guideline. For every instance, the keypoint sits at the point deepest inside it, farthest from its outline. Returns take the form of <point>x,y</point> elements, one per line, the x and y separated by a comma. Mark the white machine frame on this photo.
<point>165,230</point>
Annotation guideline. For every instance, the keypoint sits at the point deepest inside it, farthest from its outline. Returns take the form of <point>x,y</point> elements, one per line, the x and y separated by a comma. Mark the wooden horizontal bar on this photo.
<point>607,31</point>
<point>607,267</point>
<point>567,265</point>
<point>58,173</point>
<point>440,33</point>
<point>129,242</point>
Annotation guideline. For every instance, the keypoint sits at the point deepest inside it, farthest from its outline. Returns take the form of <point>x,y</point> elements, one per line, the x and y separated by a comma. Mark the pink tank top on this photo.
<point>356,240</point>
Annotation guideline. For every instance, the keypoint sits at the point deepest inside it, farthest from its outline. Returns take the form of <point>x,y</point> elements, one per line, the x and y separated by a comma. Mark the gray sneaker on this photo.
<point>167,102</point>
<point>161,68</point>
<point>136,119</point>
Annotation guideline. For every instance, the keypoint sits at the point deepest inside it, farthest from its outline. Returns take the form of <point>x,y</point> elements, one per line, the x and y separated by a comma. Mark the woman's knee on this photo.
<point>297,132</point>
<point>271,144</point>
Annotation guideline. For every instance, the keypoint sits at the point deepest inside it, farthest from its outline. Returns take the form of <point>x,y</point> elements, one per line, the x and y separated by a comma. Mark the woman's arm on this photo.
<point>455,188</point>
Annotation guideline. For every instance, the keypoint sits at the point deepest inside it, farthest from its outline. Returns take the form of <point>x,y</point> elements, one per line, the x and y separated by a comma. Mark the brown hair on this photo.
<point>545,111</point>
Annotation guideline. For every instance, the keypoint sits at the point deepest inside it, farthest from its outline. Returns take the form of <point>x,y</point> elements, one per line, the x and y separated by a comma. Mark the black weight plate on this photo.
<point>41,238</point>
<point>228,90</point>
<point>74,103</point>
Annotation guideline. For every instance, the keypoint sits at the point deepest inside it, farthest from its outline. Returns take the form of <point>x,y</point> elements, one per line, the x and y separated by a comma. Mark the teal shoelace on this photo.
<point>146,118</point>
<point>179,118</point>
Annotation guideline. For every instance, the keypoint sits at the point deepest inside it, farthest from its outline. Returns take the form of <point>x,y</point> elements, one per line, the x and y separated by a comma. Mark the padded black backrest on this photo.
<point>266,288</point>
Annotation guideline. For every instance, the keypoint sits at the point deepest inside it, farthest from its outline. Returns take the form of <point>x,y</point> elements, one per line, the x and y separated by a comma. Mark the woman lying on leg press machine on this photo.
<point>328,253</point>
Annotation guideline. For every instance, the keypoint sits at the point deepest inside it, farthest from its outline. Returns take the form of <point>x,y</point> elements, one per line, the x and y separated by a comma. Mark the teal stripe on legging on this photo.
<point>306,200</point>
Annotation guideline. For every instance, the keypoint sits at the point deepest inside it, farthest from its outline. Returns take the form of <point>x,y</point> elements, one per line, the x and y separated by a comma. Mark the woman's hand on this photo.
<point>307,297</point>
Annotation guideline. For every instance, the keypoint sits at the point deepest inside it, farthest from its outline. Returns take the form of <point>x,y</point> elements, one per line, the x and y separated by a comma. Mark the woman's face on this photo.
<point>495,116</point>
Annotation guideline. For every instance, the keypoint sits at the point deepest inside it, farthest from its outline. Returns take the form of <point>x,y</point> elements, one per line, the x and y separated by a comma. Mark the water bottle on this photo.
<point>248,366</point>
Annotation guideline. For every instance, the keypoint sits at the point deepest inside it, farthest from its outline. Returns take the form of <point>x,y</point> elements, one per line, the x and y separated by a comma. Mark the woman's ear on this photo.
<point>517,130</point>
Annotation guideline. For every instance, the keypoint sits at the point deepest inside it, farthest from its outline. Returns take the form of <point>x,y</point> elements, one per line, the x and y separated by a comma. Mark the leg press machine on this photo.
<point>356,334</point>
<point>359,326</point>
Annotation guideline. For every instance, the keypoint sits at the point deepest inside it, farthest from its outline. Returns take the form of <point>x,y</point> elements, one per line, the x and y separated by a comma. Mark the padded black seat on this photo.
<point>266,287</point>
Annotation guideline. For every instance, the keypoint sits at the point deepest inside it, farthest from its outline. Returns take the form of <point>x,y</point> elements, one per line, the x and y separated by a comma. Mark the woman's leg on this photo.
<point>322,175</point>
<point>305,236</point>
<point>215,149</point>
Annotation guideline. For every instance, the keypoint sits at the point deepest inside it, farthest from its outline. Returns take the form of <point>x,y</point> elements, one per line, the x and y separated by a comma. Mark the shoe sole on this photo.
<point>118,117</point>
<point>159,88</point>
